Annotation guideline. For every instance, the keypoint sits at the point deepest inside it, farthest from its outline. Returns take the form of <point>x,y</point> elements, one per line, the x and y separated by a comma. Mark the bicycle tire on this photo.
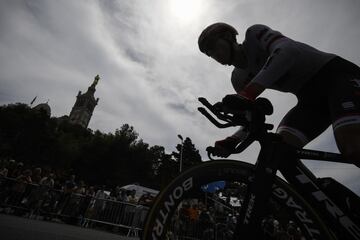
<point>285,204</point>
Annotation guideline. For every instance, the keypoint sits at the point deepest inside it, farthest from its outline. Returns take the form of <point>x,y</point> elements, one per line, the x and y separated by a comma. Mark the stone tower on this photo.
<point>84,106</point>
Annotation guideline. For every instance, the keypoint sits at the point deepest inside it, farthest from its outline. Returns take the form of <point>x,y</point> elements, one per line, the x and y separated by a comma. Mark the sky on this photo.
<point>150,67</point>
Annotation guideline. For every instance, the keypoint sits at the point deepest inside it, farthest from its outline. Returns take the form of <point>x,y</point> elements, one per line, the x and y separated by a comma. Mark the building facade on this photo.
<point>84,106</point>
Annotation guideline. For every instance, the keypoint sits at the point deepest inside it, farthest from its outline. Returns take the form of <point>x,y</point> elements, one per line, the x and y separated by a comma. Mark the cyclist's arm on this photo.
<point>277,65</point>
<point>240,80</point>
<point>281,58</point>
<point>252,90</point>
<point>280,61</point>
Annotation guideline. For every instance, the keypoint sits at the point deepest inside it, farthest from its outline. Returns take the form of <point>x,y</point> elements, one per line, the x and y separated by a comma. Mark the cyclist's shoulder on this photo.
<point>258,26</point>
<point>256,29</point>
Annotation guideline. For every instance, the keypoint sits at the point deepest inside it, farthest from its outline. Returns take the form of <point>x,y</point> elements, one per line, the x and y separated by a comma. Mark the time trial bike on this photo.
<point>239,200</point>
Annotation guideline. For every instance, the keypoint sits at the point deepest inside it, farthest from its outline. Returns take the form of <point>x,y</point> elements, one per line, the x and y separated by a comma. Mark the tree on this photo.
<point>117,158</point>
<point>190,155</point>
<point>27,135</point>
<point>168,170</point>
<point>157,154</point>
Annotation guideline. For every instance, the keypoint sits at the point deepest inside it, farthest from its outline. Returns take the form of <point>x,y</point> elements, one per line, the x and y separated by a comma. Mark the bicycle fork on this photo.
<point>259,190</point>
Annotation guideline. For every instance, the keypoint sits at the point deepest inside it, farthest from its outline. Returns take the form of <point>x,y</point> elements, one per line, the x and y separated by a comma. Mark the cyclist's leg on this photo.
<point>344,104</point>
<point>291,135</point>
<point>308,119</point>
<point>348,141</point>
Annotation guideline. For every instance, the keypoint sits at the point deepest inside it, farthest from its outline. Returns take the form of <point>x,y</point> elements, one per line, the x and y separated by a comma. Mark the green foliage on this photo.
<point>118,158</point>
<point>190,155</point>
<point>25,134</point>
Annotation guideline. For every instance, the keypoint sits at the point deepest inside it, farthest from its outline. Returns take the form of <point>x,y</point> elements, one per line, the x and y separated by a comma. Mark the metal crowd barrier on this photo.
<point>41,202</point>
<point>115,213</point>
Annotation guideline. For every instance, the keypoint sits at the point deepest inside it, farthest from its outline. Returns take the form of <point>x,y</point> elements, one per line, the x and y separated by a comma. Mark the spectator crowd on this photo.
<point>42,192</point>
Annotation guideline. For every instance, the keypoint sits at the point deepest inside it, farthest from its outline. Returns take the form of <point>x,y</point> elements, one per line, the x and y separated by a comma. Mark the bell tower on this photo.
<point>84,106</point>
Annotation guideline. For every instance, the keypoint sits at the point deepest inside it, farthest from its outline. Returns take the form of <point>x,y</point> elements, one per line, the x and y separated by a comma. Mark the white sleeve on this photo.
<point>282,54</point>
<point>277,65</point>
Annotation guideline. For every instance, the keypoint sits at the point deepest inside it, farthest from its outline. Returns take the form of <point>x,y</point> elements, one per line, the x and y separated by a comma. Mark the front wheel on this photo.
<point>204,201</point>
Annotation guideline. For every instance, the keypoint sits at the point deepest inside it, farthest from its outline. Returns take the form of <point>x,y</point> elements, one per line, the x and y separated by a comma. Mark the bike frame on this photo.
<point>276,155</point>
<point>305,183</point>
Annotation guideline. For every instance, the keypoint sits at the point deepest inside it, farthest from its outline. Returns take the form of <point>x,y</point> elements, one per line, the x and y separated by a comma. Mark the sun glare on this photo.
<point>185,11</point>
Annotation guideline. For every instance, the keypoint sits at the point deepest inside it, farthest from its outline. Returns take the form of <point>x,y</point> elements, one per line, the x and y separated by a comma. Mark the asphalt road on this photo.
<point>18,228</point>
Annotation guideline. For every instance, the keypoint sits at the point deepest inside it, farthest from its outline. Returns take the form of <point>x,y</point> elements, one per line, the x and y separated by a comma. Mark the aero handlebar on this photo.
<point>251,116</point>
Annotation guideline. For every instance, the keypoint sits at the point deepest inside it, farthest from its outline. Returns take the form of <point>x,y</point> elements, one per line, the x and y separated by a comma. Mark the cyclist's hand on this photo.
<point>237,102</point>
<point>218,106</point>
<point>225,147</point>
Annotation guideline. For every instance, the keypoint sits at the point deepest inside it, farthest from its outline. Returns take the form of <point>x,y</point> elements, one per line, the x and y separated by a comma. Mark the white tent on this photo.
<point>140,190</point>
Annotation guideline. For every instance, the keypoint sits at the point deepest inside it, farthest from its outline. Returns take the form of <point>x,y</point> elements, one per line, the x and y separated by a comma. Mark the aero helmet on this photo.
<point>213,32</point>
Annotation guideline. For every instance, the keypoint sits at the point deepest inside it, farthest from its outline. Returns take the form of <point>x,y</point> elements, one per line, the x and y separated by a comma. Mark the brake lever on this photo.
<point>244,144</point>
<point>240,148</point>
<point>211,151</point>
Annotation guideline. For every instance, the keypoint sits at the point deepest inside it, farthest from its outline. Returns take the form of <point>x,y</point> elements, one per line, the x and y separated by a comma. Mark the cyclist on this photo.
<point>327,86</point>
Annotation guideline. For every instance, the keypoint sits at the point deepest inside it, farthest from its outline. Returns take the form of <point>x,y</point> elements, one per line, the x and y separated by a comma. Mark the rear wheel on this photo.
<point>203,202</point>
